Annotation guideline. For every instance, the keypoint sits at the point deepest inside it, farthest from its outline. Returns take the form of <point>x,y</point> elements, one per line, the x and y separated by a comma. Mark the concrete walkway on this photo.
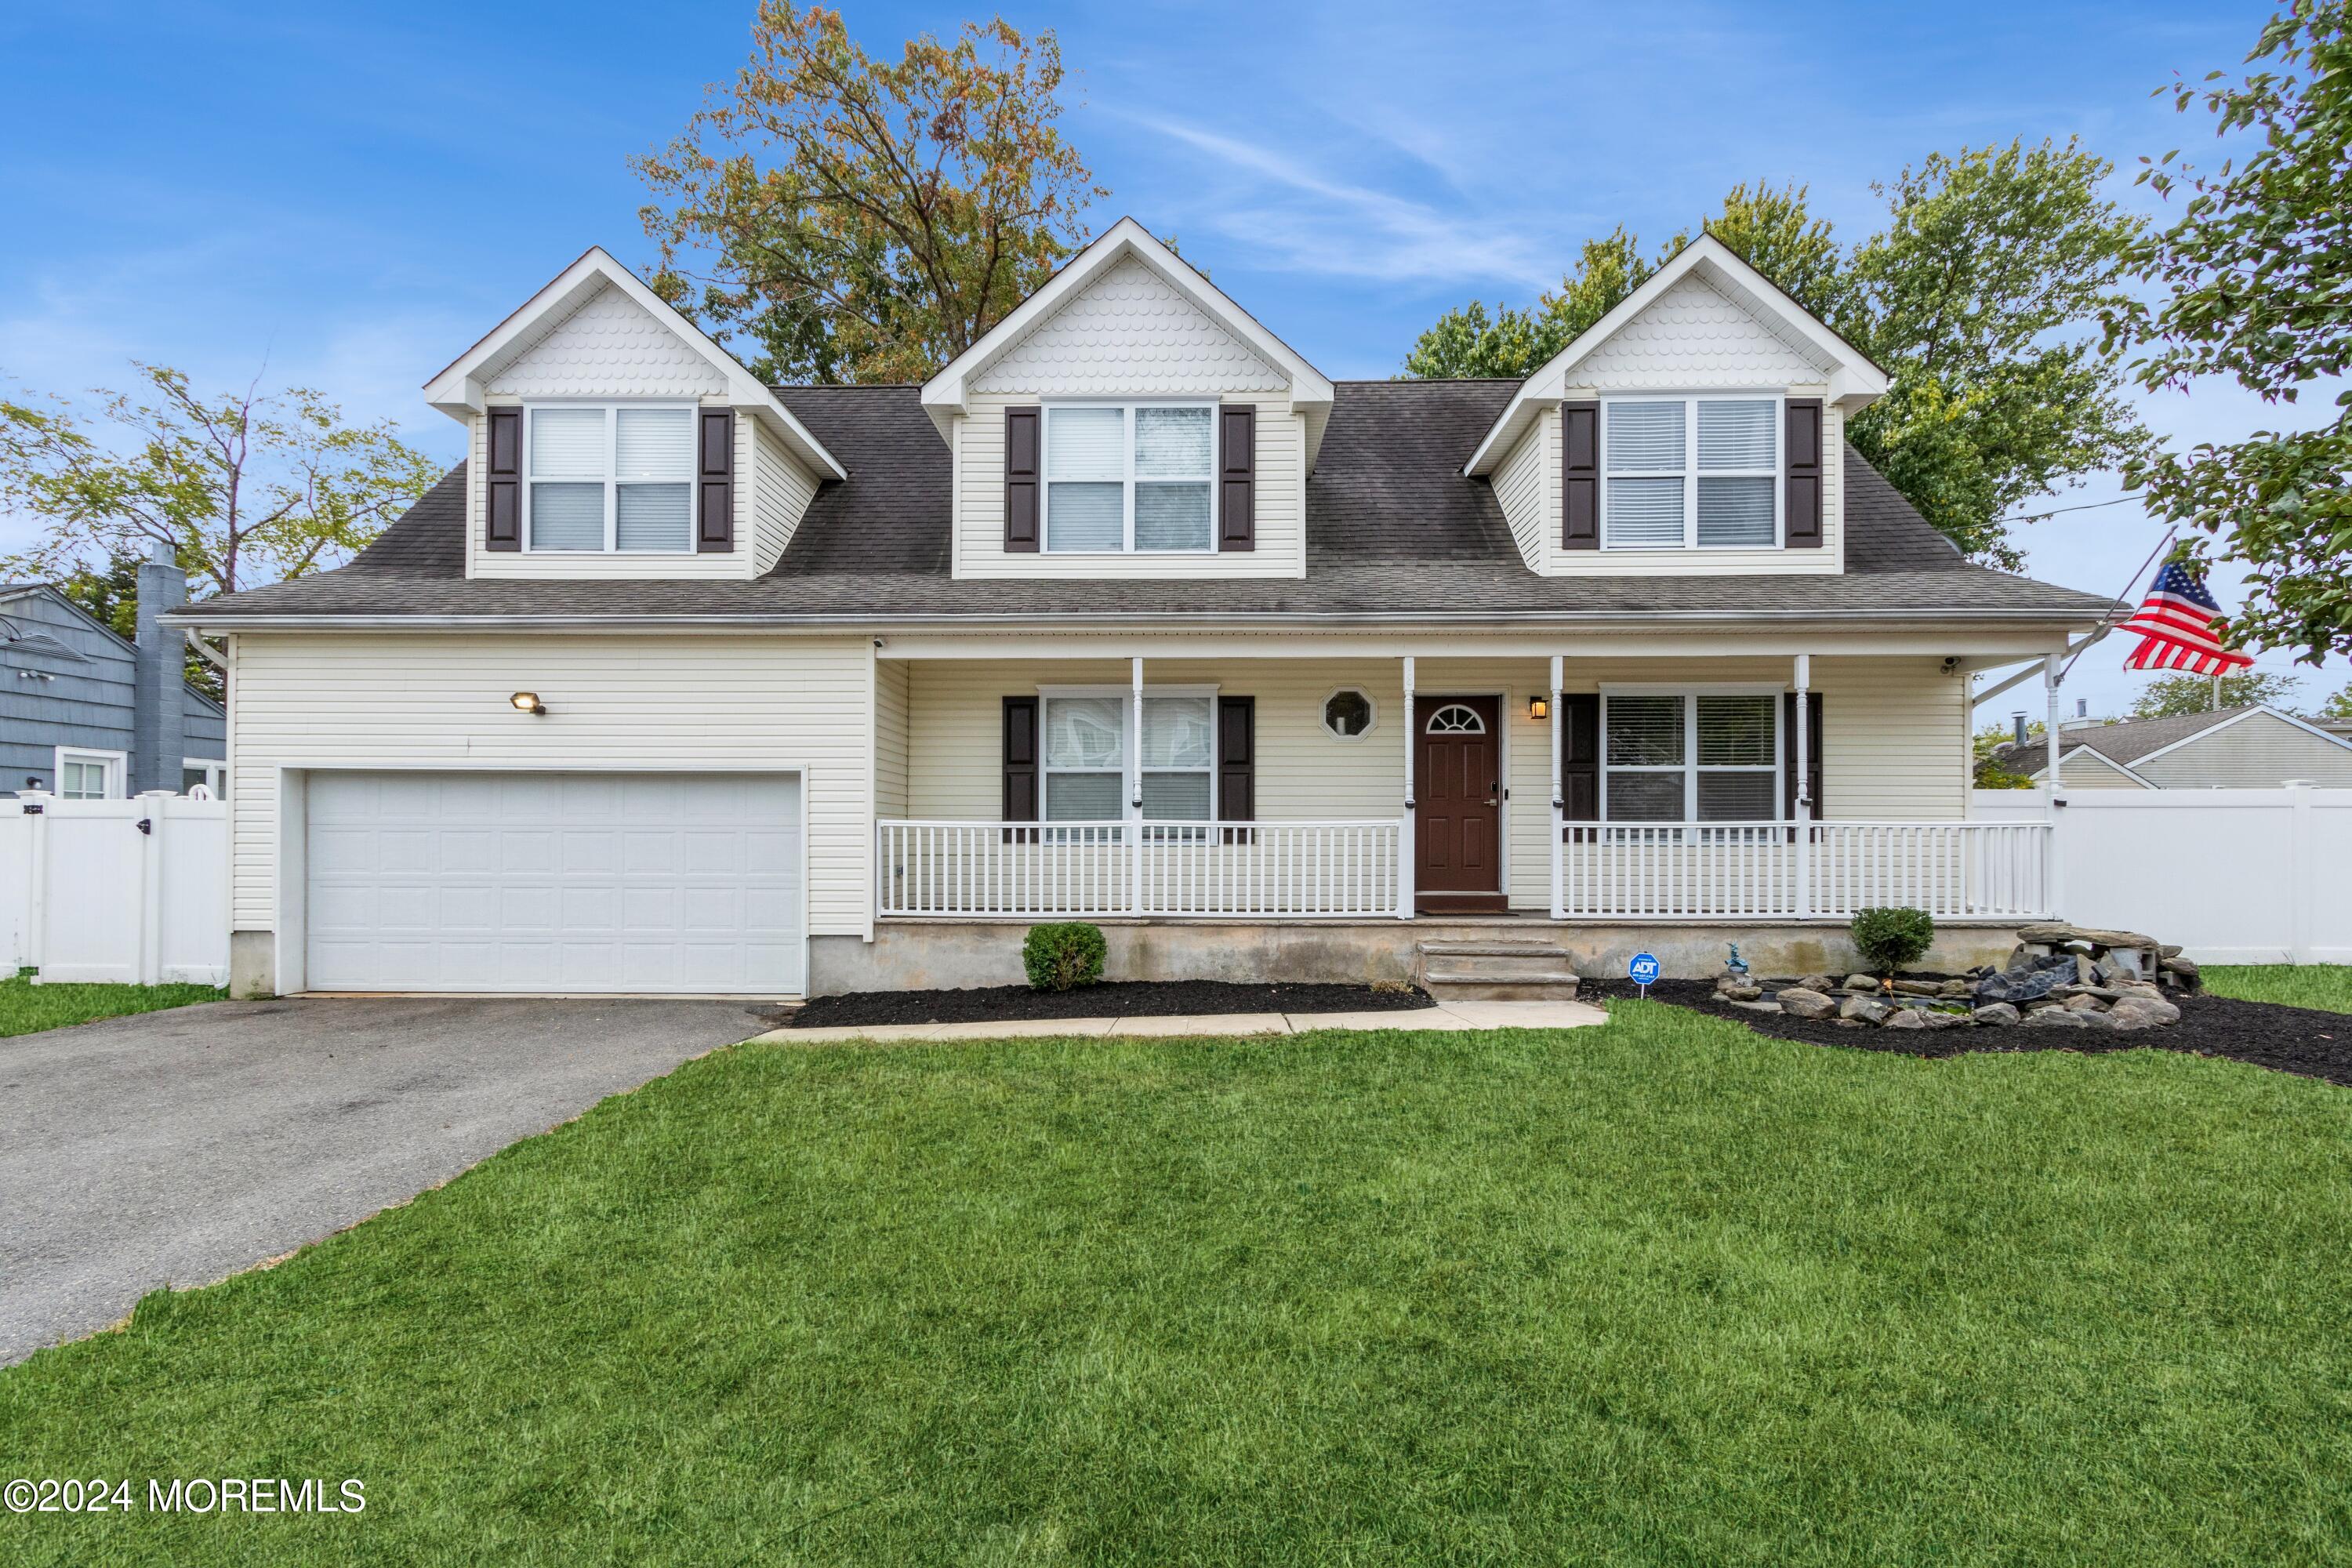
<point>1449,1016</point>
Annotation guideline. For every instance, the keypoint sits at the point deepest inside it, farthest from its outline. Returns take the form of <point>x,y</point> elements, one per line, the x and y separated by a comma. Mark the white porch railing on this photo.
<point>1779,870</point>
<point>1185,870</point>
<point>1715,870</point>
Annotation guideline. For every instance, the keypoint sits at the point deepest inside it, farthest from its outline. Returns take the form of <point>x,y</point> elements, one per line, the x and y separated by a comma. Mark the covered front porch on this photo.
<point>1607,783</point>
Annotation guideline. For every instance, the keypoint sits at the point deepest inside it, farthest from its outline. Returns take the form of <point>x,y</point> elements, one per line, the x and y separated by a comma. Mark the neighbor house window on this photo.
<point>1690,757</point>
<point>1691,472</point>
<point>89,775</point>
<point>1129,476</point>
<point>212,775</point>
<point>610,479</point>
<point>1086,763</point>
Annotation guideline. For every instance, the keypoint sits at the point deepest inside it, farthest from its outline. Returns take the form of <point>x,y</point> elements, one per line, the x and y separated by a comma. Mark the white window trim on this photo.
<point>1132,773</point>
<point>1128,408</point>
<point>215,770</point>
<point>1371,706</point>
<point>1690,767</point>
<point>1689,472</point>
<point>117,766</point>
<point>610,407</point>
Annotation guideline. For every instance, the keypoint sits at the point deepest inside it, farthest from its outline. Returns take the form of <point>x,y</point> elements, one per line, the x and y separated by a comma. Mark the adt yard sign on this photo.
<point>1644,970</point>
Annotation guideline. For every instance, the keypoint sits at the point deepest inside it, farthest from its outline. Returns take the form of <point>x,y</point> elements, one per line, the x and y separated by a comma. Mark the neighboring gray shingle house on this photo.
<point>2228,748</point>
<point>91,717</point>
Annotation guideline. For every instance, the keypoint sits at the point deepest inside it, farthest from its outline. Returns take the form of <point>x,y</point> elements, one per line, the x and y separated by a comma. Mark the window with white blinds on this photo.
<point>1086,763</point>
<point>609,479</point>
<point>1690,757</point>
<point>1129,476</point>
<point>1691,473</point>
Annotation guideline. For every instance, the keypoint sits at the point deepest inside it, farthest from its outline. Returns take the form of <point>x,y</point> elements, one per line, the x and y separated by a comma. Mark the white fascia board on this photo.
<point>944,396</point>
<point>1854,382</point>
<point>459,390</point>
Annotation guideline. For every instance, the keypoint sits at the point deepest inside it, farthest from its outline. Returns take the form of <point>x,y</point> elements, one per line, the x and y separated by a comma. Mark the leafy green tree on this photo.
<point>2338,706</point>
<point>1466,343</point>
<point>2257,275</point>
<point>1970,299</point>
<point>2169,695</point>
<point>1992,769</point>
<point>866,220</point>
<point>245,487</point>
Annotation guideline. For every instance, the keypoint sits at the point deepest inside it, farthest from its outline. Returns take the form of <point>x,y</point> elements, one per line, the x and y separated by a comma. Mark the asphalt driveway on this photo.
<point>177,1148</point>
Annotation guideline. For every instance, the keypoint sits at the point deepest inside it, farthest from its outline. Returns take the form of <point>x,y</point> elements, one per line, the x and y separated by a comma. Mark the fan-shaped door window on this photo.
<point>1455,719</point>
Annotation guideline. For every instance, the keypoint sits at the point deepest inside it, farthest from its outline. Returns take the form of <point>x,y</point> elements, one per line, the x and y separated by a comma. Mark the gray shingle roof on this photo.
<point>2126,742</point>
<point>1394,527</point>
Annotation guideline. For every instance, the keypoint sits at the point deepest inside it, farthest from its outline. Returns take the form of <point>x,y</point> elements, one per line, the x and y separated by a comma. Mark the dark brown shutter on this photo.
<point>1580,476</point>
<point>1580,758</point>
<point>1237,759</point>
<point>1021,478</point>
<point>714,467</point>
<point>1021,778</point>
<point>1237,477</point>
<point>1789,754</point>
<point>502,507</point>
<point>1804,467</point>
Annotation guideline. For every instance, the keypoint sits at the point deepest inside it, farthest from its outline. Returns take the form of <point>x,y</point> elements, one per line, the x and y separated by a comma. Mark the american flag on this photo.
<point>2180,628</point>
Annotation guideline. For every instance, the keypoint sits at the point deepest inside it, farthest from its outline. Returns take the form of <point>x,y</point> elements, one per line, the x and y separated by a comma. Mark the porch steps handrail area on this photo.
<point>1332,870</point>
<point>1356,870</point>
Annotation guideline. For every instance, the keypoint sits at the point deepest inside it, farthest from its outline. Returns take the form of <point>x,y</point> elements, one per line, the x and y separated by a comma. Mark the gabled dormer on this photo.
<point>610,436</point>
<point>1696,428</point>
<point>1130,420</point>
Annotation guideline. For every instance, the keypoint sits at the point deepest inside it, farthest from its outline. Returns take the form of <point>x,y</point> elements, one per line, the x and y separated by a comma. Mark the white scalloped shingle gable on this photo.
<point>1130,333</point>
<point>1694,337</point>
<point>610,347</point>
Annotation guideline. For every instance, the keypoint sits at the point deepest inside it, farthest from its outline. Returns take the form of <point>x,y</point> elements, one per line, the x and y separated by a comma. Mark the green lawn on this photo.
<point>27,1008</point>
<point>2327,987</point>
<point>1662,1292</point>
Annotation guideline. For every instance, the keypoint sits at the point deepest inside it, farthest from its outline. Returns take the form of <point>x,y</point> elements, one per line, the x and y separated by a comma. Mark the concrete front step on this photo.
<point>1501,971</point>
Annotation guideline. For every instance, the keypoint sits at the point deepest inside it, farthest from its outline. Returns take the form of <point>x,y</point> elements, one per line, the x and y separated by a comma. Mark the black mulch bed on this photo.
<point>1119,999</point>
<point>2290,1039</point>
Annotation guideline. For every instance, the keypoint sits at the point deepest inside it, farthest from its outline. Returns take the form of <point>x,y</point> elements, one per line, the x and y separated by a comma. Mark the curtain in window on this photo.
<point>1085,759</point>
<point>1179,754</point>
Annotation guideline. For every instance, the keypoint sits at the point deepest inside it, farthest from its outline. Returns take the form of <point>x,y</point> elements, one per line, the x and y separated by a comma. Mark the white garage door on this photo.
<point>566,882</point>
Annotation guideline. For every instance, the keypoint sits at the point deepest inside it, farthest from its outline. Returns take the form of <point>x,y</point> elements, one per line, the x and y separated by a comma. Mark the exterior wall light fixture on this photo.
<point>1539,708</point>
<point>529,702</point>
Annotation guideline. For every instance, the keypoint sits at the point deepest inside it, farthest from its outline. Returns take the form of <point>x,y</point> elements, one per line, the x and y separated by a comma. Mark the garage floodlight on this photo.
<point>529,702</point>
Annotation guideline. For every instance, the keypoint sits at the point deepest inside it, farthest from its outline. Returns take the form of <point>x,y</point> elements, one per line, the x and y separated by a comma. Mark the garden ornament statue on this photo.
<point>1737,965</point>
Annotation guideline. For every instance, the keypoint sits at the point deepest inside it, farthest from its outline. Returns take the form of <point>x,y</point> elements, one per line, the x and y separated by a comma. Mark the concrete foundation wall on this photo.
<point>252,964</point>
<point>957,954</point>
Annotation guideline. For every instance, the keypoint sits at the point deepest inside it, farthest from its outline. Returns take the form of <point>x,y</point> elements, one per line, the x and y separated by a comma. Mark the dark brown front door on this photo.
<point>1458,803</point>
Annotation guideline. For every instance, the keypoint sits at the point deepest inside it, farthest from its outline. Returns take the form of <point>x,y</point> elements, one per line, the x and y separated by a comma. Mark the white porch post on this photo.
<point>1404,822</point>
<point>1803,791</point>
<point>1135,787</point>
<point>1558,805</point>
<point>2053,876</point>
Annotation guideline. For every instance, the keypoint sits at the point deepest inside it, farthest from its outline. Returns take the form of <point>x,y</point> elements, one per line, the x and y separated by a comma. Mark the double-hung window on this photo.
<point>89,775</point>
<point>1691,472</point>
<point>1090,776</point>
<point>1690,757</point>
<point>614,479</point>
<point>1129,477</point>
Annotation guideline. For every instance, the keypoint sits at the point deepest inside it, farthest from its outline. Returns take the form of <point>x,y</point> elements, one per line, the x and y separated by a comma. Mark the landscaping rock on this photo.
<point>1864,1010</point>
<point>2078,1003</point>
<point>2057,934</point>
<point>2098,993</point>
<point>2053,1019</point>
<point>1824,984</point>
<point>2140,1013</point>
<point>1997,1013</point>
<point>2169,950</point>
<point>1956,990</point>
<point>2141,989</point>
<point>1937,1019</point>
<point>1906,1018</point>
<point>2096,1020</point>
<point>1920,987</point>
<point>1753,1007</point>
<point>1806,1001</point>
<point>1742,993</point>
<point>2190,976</point>
<point>1861,984</point>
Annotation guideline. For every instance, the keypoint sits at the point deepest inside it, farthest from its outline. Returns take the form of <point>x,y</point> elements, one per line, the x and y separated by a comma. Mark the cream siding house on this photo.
<point>685,683</point>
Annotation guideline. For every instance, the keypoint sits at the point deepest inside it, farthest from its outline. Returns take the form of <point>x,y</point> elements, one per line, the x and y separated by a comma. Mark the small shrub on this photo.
<point>1889,939</point>
<point>1064,956</point>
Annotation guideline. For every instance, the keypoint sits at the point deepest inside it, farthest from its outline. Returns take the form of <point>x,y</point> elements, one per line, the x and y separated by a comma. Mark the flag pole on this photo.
<point>2110,620</point>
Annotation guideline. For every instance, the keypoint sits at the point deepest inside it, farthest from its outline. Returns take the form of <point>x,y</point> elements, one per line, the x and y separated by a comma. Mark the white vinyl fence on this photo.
<point>2234,876</point>
<point>128,891</point>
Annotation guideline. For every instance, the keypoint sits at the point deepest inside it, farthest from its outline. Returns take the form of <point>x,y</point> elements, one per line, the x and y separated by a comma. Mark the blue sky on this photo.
<point>351,194</point>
